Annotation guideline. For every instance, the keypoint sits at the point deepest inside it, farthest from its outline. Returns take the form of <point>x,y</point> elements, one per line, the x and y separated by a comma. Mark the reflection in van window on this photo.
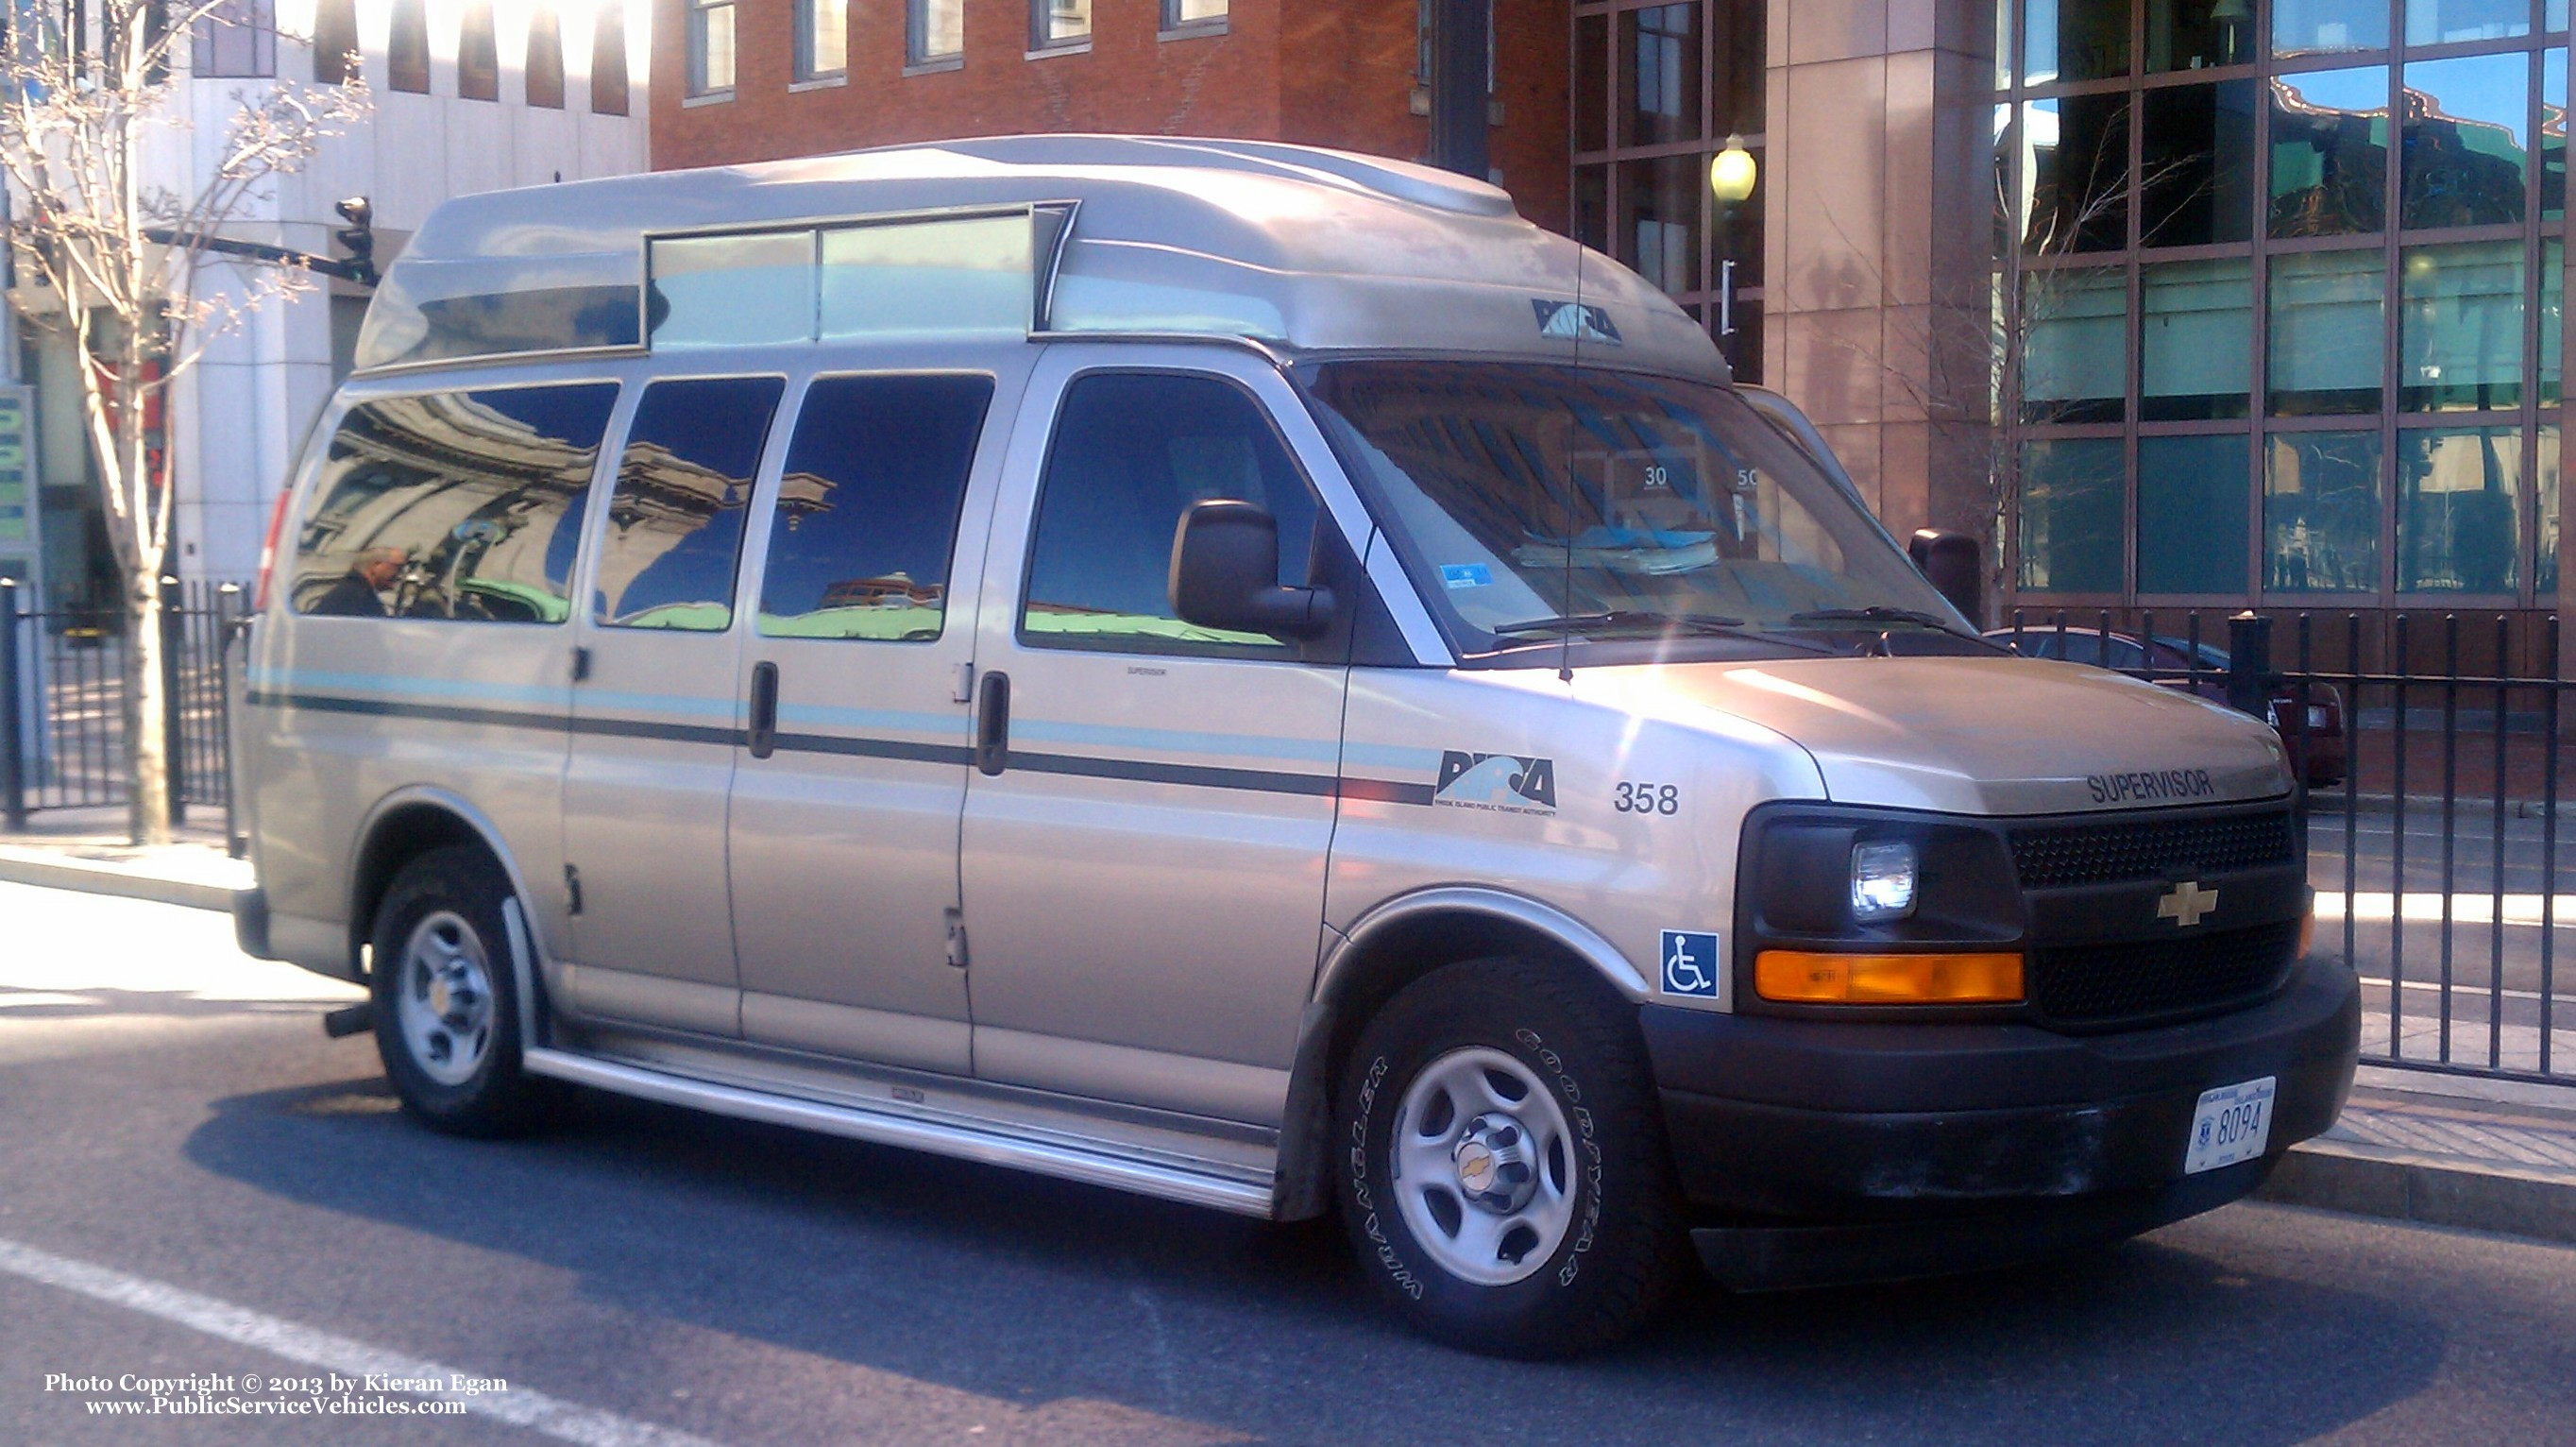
<point>461,505</point>
<point>683,487</point>
<point>1132,451</point>
<point>867,507</point>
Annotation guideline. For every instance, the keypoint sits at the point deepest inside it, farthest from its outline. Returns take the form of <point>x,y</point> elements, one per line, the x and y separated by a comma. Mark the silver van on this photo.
<point>1251,675</point>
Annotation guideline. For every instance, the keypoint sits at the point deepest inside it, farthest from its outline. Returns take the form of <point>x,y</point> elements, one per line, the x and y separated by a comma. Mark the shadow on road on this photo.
<point>1032,1291</point>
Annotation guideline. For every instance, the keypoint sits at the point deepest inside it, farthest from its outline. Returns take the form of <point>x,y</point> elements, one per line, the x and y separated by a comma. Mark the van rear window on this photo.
<point>455,505</point>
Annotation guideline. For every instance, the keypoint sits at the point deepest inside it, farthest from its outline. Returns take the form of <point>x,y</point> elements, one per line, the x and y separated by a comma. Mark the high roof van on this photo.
<point>1254,676</point>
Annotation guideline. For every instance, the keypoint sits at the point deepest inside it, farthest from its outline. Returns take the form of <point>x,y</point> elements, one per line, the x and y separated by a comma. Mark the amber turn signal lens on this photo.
<point>1798,977</point>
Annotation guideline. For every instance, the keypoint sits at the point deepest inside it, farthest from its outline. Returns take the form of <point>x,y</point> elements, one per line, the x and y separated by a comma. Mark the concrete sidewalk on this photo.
<point>2444,1150</point>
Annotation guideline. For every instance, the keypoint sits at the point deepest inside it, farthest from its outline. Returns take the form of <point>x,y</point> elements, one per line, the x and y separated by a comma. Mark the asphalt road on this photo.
<point>193,1181</point>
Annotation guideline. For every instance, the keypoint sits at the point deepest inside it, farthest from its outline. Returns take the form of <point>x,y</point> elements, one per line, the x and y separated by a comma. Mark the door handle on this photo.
<point>763,736</point>
<point>993,723</point>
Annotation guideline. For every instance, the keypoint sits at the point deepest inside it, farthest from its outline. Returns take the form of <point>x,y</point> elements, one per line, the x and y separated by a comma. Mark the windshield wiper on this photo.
<point>1626,620</point>
<point>1879,613</point>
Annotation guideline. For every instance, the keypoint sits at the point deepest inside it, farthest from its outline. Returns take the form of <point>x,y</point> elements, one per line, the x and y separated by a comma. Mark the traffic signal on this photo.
<point>358,238</point>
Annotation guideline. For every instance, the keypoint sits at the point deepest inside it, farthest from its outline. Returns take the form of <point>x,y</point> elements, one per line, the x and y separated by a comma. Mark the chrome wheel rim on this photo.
<point>443,998</point>
<point>1483,1166</point>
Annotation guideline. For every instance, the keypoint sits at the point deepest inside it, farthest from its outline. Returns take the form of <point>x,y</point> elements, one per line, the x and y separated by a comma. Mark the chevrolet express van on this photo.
<point>1255,676</point>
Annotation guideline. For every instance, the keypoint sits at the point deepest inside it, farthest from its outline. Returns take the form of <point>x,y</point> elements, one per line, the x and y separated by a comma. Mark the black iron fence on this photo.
<point>62,703</point>
<point>2431,771</point>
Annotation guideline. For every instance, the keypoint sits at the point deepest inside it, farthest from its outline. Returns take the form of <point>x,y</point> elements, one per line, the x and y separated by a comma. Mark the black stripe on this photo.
<point>636,728</point>
<point>876,748</point>
<point>389,708</point>
<point>1255,780</point>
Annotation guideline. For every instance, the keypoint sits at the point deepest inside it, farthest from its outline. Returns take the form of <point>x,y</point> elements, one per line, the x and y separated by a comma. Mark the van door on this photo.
<point>847,794</point>
<point>1143,860</point>
<point>656,718</point>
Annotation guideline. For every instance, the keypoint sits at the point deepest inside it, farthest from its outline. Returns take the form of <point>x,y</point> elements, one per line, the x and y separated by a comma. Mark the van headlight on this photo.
<point>1884,878</point>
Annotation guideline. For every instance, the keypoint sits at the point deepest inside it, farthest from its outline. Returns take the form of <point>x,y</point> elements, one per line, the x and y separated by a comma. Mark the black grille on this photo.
<point>2108,853</point>
<point>2097,986</point>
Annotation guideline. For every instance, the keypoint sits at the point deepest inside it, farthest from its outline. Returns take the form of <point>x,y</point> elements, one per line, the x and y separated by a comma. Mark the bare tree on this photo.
<point>112,207</point>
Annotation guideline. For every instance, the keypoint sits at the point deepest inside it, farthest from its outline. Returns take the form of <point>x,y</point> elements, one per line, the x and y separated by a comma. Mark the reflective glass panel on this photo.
<point>2459,509</point>
<point>2544,476</point>
<point>674,535</point>
<point>1741,35</point>
<point>731,291</point>
<point>1592,206</point>
<point>2194,499</point>
<point>2462,326</point>
<point>1591,65</point>
<point>1062,22</point>
<point>2070,516</point>
<point>2193,34</point>
<point>2195,339</point>
<point>2553,290</point>
<point>1659,205</point>
<point>1659,74</point>
<point>2325,340</point>
<point>2301,27</point>
<point>2467,140</point>
<point>972,274</point>
<point>934,29</point>
<point>2443,22</point>
<point>2074,40</point>
<point>2330,152</point>
<point>2075,348</point>
<point>2553,15</point>
<point>2553,133</point>
<point>2076,170</point>
<point>2196,165</point>
<point>2321,493</point>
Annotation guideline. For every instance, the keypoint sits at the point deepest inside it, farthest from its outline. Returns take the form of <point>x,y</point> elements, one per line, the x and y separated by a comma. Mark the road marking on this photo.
<point>518,1406</point>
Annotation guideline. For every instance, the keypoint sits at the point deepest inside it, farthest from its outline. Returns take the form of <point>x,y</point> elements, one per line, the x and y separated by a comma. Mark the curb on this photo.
<point>2330,801</point>
<point>2363,1180</point>
<point>20,868</point>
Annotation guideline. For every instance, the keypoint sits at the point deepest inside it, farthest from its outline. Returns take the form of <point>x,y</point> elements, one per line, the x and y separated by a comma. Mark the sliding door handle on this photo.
<point>993,723</point>
<point>763,736</point>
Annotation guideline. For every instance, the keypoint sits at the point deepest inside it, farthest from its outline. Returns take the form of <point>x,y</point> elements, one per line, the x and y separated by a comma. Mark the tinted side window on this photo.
<point>683,487</point>
<point>453,505</point>
<point>1132,451</point>
<point>867,507</point>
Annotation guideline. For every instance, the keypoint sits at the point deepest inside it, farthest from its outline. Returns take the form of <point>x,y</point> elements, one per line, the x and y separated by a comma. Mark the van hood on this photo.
<point>1975,735</point>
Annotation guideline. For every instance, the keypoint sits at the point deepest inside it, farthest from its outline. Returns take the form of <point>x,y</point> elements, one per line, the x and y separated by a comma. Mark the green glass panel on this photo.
<point>2195,496</point>
<point>2459,509</point>
<point>2071,515</point>
<point>2304,27</point>
<point>2544,476</point>
<point>2073,40</point>
<point>2461,342</point>
<point>2325,334</point>
<point>2321,493</point>
<point>2192,34</point>
<point>2553,133</point>
<point>2073,366</point>
<point>2076,170</point>
<point>2468,140</point>
<point>2196,164</point>
<point>2448,22</point>
<point>2195,339</point>
<point>2330,152</point>
<point>2553,290</point>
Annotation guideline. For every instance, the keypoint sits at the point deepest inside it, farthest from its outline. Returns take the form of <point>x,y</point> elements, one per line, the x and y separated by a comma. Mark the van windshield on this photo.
<point>1543,502</point>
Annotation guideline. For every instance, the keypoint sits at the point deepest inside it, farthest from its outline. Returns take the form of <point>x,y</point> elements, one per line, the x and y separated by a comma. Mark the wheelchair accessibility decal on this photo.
<point>1690,963</point>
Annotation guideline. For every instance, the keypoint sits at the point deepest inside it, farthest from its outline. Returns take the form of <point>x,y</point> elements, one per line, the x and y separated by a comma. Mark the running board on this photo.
<point>992,1147</point>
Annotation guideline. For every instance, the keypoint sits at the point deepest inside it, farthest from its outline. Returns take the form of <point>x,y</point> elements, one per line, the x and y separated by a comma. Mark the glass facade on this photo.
<point>2286,300</point>
<point>1658,91</point>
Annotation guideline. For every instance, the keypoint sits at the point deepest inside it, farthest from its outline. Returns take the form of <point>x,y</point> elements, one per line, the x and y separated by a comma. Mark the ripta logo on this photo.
<point>1504,783</point>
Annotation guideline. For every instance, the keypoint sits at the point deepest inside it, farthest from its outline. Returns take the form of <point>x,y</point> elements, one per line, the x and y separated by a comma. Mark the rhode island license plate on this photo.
<point>2232,1123</point>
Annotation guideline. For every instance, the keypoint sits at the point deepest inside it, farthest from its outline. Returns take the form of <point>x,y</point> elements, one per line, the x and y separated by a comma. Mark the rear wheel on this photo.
<point>447,1016</point>
<point>1503,1170</point>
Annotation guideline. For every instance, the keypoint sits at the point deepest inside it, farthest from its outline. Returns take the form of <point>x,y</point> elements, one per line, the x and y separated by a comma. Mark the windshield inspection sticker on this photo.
<point>1690,963</point>
<point>1502,783</point>
<point>1465,575</point>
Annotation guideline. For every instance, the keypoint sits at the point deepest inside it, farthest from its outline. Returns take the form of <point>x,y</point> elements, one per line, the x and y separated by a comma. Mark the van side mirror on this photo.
<point>1953,564</point>
<point>1225,574</point>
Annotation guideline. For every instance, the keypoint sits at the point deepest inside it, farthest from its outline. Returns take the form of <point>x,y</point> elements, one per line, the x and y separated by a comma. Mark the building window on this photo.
<point>2071,509</point>
<point>335,41</point>
<point>2330,152</point>
<point>545,71</point>
<point>1186,14</point>
<point>2459,509</point>
<point>934,30</point>
<point>478,55</point>
<point>710,48</point>
<point>407,47</point>
<point>608,60</point>
<point>1055,23</point>
<point>236,39</point>
<point>822,39</point>
<point>2192,505</point>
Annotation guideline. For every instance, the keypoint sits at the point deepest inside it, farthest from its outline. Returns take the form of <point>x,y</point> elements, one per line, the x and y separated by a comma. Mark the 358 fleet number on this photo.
<point>1647,798</point>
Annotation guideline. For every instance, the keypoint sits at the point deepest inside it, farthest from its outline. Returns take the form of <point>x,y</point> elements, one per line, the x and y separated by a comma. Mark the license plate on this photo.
<point>2232,1123</point>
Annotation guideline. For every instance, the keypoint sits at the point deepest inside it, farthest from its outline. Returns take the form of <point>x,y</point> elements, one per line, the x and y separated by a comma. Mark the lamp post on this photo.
<point>1731,176</point>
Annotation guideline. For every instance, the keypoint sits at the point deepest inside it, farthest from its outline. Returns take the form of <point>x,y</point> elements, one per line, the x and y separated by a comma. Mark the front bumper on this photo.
<point>1903,1140</point>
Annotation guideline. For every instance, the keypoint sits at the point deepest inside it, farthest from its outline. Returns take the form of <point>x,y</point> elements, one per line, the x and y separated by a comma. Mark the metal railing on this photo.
<point>2432,791</point>
<point>62,702</point>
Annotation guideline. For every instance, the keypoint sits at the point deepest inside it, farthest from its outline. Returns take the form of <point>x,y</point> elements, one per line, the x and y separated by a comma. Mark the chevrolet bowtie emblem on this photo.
<point>2187,903</point>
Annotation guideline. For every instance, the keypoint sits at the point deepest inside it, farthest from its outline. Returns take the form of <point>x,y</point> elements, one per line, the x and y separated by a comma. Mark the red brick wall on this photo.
<point>1340,75</point>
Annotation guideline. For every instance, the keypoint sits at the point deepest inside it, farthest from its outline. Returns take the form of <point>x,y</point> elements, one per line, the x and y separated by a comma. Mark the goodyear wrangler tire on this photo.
<point>447,1010</point>
<point>1503,1170</point>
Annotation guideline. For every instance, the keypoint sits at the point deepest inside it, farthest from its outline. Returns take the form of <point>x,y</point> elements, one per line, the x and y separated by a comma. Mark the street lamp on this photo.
<point>1731,176</point>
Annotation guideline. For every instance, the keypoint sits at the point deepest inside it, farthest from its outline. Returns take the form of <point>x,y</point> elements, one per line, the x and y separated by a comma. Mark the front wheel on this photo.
<point>1503,1168</point>
<point>447,1010</point>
